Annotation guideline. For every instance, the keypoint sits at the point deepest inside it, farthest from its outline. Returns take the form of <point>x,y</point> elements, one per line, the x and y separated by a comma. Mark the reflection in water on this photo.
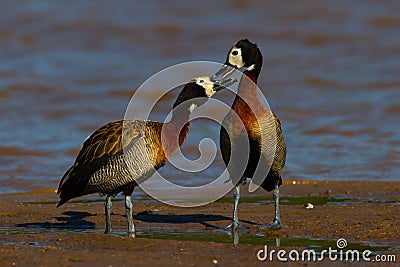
<point>235,236</point>
<point>330,73</point>
<point>200,236</point>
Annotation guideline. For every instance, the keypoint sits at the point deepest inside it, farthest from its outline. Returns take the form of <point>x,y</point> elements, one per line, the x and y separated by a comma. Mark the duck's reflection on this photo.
<point>235,237</point>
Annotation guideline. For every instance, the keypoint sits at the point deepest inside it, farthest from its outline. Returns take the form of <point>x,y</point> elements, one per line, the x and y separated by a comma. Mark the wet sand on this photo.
<point>35,233</point>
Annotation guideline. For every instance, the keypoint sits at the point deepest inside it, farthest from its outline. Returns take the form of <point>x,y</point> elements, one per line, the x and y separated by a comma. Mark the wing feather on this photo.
<point>108,141</point>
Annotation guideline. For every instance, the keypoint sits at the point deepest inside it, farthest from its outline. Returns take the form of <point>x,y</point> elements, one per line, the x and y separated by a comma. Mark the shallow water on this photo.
<point>331,73</point>
<point>216,236</point>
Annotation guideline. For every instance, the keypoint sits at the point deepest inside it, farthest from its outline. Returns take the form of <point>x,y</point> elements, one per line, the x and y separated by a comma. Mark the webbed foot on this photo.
<point>274,225</point>
<point>234,227</point>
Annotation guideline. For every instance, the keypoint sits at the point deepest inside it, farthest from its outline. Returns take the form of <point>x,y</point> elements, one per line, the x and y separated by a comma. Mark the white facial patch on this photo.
<point>192,107</point>
<point>235,57</point>
<point>207,84</point>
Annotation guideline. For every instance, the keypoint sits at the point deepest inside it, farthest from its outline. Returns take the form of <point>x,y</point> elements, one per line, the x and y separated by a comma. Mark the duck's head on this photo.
<point>245,56</point>
<point>198,91</point>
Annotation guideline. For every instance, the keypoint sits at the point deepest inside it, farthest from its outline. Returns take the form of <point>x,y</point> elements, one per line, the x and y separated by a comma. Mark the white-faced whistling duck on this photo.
<point>258,121</point>
<point>102,166</point>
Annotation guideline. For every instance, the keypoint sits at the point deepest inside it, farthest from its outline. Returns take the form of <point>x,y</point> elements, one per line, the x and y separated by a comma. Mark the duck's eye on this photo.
<point>201,81</point>
<point>235,53</point>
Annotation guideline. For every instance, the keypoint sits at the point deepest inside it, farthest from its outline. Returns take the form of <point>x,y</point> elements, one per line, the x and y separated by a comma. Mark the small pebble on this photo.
<point>308,206</point>
<point>215,261</point>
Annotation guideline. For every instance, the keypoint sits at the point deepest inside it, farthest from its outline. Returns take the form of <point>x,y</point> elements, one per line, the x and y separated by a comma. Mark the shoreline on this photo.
<point>34,232</point>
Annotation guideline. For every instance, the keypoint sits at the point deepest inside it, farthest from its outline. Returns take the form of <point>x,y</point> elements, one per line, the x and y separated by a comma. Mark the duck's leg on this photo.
<point>108,206</point>
<point>236,196</point>
<point>131,225</point>
<point>276,223</point>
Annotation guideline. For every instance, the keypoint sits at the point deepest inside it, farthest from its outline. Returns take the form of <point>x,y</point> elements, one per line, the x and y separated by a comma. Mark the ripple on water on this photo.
<point>69,68</point>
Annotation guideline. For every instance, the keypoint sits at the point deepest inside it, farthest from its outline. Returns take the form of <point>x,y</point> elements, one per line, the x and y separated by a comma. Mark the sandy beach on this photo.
<point>35,233</point>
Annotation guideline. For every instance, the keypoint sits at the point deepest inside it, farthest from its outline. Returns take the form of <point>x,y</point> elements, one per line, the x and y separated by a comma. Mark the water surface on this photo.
<point>331,73</point>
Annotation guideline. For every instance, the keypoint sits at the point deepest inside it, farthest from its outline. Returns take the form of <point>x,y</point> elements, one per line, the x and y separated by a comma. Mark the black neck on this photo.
<point>180,114</point>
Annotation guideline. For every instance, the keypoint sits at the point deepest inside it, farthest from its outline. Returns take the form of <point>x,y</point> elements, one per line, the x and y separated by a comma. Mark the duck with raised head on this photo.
<point>262,129</point>
<point>121,154</point>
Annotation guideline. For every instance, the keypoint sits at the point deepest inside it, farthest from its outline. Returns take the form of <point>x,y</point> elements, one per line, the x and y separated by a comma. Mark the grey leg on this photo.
<point>276,223</point>
<point>236,196</point>
<point>131,226</point>
<point>277,212</point>
<point>108,206</point>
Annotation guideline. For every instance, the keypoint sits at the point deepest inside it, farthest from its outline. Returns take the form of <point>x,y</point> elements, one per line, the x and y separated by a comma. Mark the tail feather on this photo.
<point>70,186</point>
<point>62,201</point>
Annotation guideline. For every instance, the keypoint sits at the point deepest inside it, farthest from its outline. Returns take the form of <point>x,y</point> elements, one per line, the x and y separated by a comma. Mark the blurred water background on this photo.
<point>331,72</point>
